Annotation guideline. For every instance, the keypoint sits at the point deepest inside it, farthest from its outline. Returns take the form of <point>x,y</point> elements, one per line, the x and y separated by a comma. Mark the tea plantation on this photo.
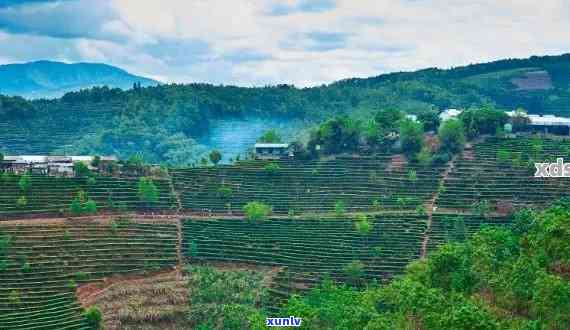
<point>313,186</point>
<point>44,265</point>
<point>48,194</point>
<point>502,171</point>
<point>309,249</point>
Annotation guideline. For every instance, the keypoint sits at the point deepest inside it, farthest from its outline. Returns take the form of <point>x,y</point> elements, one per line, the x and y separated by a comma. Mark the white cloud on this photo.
<point>256,42</point>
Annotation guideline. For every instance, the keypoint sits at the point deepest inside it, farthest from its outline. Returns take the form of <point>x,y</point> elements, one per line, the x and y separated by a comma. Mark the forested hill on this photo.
<point>162,122</point>
<point>47,79</point>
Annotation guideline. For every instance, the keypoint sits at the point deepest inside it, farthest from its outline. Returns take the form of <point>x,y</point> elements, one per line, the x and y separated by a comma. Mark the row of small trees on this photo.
<point>147,192</point>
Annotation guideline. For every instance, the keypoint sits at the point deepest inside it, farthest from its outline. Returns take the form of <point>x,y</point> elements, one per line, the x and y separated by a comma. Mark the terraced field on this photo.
<point>46,263</point>
<point>445,227</point>
<point>307,250</point>
<point>54,194</point>
<point>307,186</point>
<point>480,175</point>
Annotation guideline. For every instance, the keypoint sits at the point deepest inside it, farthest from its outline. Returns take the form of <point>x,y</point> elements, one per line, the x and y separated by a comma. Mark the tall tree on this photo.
<point>80,169</point>
<point>270,136</point>
<point>451,136</point>
<point>215,157</point>
<point>148,192</point>
<point>411,137</point>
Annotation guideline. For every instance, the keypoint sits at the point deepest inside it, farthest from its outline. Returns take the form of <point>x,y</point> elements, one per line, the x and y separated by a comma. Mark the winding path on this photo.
<point>431,204</point>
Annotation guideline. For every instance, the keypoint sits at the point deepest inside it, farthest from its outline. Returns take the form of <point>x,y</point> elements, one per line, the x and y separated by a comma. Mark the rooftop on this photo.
<point>46,158</point>
<point>542,120</point>
<point>449,113</point>
<point>271,145</point>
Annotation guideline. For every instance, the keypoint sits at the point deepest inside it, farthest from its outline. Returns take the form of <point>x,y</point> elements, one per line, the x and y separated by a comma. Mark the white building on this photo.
<point>449,114</point>
<point>41,164</point>
<point>544,123</point>
<point>413,118</point>
<point>272,150</point>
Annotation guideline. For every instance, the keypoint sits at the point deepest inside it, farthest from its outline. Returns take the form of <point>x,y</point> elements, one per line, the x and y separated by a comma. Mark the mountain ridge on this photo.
<point>53,79</point>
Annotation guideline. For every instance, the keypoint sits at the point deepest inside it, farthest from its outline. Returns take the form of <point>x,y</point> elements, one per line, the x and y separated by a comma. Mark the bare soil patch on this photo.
<point>156,301</point>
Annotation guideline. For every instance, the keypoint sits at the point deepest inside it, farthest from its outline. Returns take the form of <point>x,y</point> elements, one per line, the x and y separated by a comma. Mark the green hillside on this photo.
<point>164,122</point>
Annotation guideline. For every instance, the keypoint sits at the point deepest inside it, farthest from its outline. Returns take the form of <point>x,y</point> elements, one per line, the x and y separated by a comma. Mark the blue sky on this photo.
<point>260,42</point>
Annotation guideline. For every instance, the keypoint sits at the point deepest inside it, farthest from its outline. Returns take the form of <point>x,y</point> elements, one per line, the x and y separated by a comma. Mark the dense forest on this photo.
<point>162,123</point>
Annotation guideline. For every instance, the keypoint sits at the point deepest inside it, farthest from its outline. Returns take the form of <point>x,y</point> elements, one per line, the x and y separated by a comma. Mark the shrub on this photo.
<point>193,249</point>
<point>94,318</point>
<point>14,297</point>
<point>412,176</point>
<point>81,276</point>
<point>424,157</point>
<point>147,192</point>
<point>524,221</point>
<point>354,271</point>
<point>91,181</point>
<point>80,169</point>
<point>339,208</point>
<point>215,157</point>
<point>517,160</point>
<point>272,168</point>
<point>257,211</point>
<point>377,205</point>
<point>440,158</point>
<point>26,267</point>
<point>402,203</point>
<point>291,212</point>
<point>90,207</point>
<point>22,202</point>
<point>379,251</point>
<point>481,208</point>
<point>114,227</point>
<point>225,192</point>
<point>75,208</point>
<point>421,210</point>
<point>24,183</point>
<point>503,157</point>
<point>362,225</point>
<point>110,201</point>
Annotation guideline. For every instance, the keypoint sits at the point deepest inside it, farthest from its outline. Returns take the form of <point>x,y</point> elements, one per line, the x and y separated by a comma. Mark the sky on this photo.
<point>265,42</point>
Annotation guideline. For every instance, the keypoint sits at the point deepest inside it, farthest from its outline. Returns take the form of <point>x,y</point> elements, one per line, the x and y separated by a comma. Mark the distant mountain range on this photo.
<point>47,79</point>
